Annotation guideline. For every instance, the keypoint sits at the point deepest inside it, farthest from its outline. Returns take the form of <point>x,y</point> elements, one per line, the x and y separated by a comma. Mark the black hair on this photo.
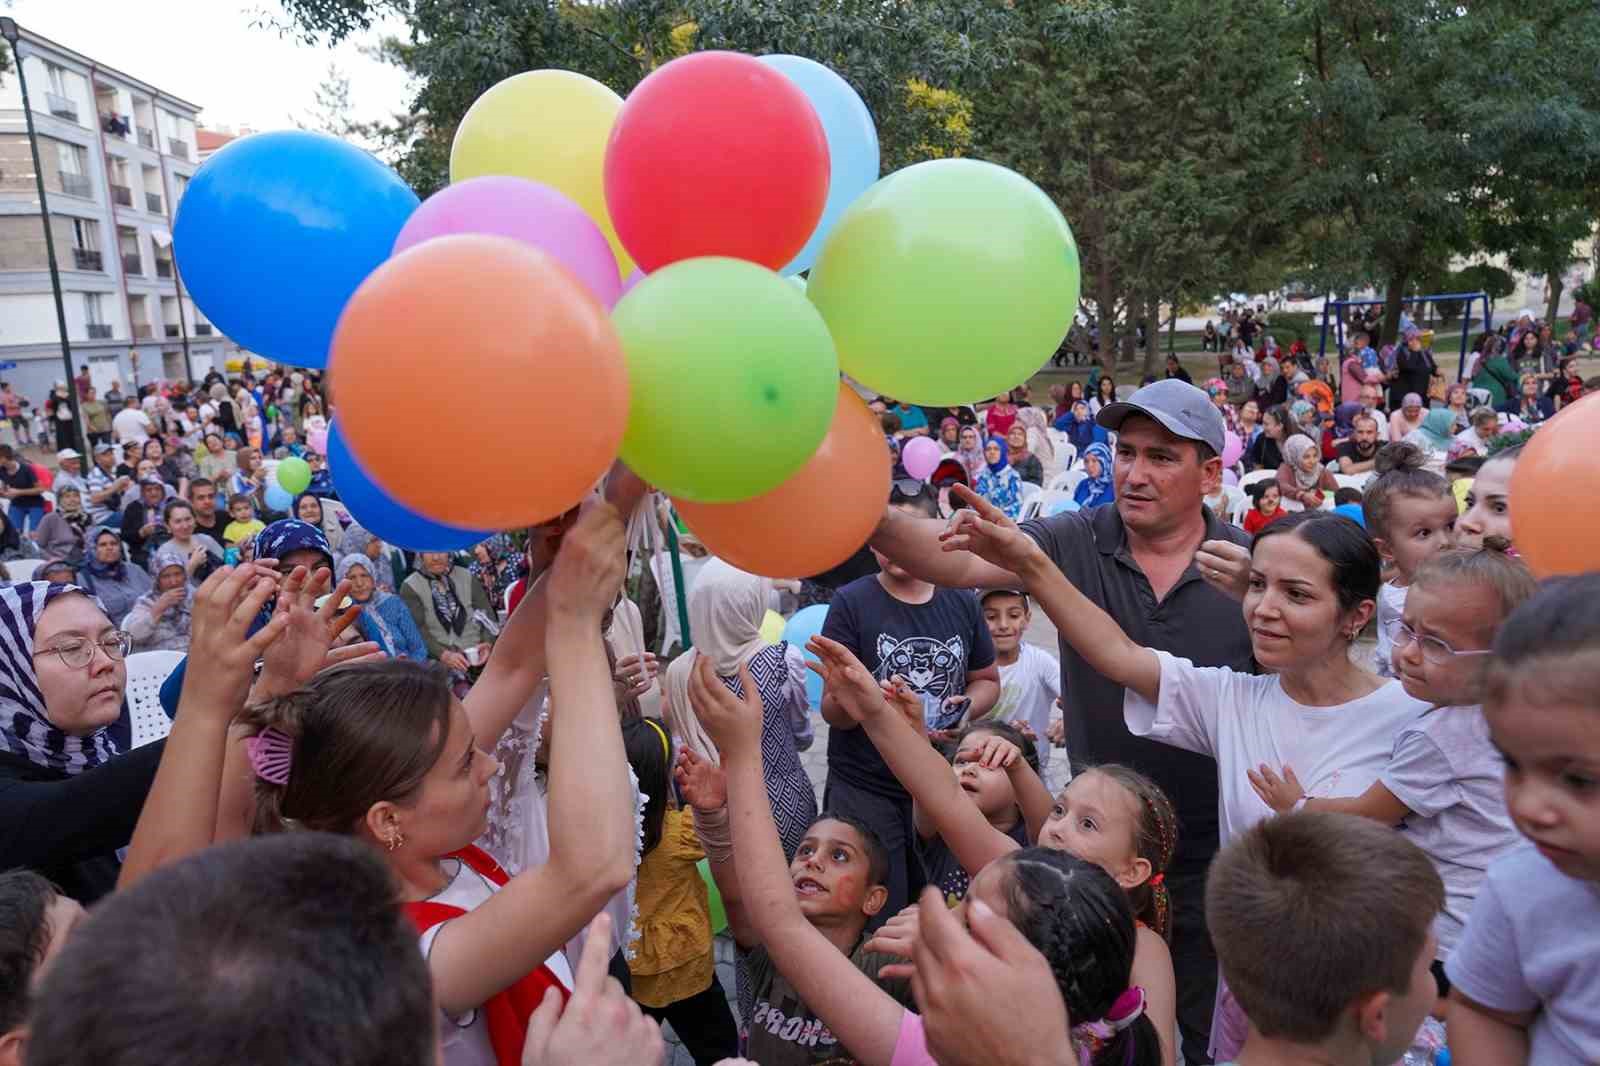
<point>278,951</point>
<point>25,899</point>
<point>1079,918</point>
<point>1345,495</point>
<point>871,844</point>
<point>1257,489</point>
<point>1003,730</point>
<point>649,750</point>
<point>924,499</point>
<point>173,504</point>
<point>1343,543</point>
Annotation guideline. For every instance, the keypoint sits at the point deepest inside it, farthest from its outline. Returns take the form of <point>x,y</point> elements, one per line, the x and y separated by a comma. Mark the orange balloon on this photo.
<point>816,519</point>
<point>456,358</point>
<point>1555,493</point>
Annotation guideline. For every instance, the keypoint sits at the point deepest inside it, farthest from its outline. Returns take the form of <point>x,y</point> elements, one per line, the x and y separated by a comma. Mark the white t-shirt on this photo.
<point>1529,945</point>
<point>464,1039</point>
<point>1445,769</point>
<point>130,423</point>
<point>1391,606</point>
<point>1469,441</point>
<point>1029,688</point>
<point>1243,720</point>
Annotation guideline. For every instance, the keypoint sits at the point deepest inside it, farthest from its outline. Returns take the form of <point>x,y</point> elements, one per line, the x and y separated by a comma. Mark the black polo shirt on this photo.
<point>1195,621</point>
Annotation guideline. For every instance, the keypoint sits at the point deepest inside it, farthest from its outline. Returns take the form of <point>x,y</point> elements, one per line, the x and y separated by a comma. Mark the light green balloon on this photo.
<point>947,282</point>
<point>732,375</point>
<point>294,475</point>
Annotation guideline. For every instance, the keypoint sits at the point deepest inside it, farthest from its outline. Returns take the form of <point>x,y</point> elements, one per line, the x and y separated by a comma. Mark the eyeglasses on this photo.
<point>78,652</point>
<point>1434,650</point>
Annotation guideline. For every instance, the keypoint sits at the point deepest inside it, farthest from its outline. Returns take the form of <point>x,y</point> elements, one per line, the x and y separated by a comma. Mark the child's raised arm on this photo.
<point>1284,794</point>
<point>705,788</point>
<point>864,1018</point>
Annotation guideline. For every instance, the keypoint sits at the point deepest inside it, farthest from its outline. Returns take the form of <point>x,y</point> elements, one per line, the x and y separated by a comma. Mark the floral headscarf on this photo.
<point>495,577</point>
<point>972,458</point>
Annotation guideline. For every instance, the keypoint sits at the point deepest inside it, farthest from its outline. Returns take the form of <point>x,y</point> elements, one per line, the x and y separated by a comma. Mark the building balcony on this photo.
<point>173,330</point>
<point>131,263</point>
<point>178,147</point>
<point>203,329</point>
<point>147,138</point>
<point>84,259</point>
<point>61,107</point>
<point>76,185</point>
<point>152,203</point>
<point>99,331</point>
<point>122,194</point>
<point>142,330</point>
<point>163,268</point>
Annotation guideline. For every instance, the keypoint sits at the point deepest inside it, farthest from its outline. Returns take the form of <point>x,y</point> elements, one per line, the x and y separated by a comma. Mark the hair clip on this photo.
<point>271,753</point>
<point>1126,1010</point>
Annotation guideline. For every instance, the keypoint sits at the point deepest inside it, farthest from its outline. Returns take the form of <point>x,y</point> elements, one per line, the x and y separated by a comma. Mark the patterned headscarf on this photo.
<point>385,636</point>
<point>25,728</point>
<point>291,535</point>
<point>169,554</point>
<point>1095,490</point>
<point>495,578</point>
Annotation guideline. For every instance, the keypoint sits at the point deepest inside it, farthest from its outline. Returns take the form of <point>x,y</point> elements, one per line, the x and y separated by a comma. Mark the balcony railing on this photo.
<point>76,185</point>
<point>172,329</point>
<point>99,331</point>
<point>203,329</point>
<point>122,194</point>
<point>147,138</point>
<point>152,203</point>
<point>61,107</point>
<point>84,259</point>
<point>131,263</point>
<point>141,329</point>
<point>163,268</point>
<point>178,147</point>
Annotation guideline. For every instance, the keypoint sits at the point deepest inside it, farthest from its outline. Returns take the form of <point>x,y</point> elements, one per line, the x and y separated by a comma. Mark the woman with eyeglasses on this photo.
<point>69,797</point>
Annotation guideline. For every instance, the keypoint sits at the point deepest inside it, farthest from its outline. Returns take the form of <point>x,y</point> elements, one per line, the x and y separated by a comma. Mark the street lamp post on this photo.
<point>8,30</point>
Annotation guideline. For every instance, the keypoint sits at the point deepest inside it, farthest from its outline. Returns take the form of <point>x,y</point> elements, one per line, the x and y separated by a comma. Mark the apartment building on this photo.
<point>117,155</point>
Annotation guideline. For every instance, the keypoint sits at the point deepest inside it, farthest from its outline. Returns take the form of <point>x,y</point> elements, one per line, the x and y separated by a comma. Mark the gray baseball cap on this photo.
<point>1184,410</point>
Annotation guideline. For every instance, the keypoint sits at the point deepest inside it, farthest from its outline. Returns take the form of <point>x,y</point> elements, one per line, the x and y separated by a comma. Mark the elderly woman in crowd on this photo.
<point>1302,477</point>
<point>450,609</point>
<point>309,508</point>
<point>389,564</point>
<point>497,564</point>
<point>116,582</point>
<point>214,461</point>
<point>384,619</point>
<point>1407,417</point>
<point>161,619</point>
<point>60,535</point>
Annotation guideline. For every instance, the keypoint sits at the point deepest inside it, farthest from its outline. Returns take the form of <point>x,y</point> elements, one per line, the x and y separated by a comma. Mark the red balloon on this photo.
<point>716,153</point>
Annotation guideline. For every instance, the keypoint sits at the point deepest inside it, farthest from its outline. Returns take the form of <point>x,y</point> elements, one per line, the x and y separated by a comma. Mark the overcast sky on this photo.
<point>213,53</point>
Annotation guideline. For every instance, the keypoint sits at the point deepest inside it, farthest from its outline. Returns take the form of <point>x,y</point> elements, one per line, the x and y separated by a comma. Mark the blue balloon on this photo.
<point>381,516</point>
<point>277,230</point>
<point>278,498</point>
<point>804,625</point>
<point>852,144</point>
<point>1062,507</point>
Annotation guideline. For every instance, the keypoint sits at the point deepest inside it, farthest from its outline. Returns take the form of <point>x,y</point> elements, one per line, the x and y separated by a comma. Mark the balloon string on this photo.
<point>640,536</point>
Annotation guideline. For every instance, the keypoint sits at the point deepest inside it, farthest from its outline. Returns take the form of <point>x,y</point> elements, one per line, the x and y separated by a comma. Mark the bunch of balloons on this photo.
<point>610,278</point>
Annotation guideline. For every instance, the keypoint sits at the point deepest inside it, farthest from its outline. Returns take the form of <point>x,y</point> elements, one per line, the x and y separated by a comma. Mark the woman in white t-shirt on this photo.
<point>1312,588</point>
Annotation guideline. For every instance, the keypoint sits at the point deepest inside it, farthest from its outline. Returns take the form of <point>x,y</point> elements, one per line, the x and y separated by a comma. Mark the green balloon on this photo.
<point>732,377</point>
<point>294,476</point>
<point>947,282</point>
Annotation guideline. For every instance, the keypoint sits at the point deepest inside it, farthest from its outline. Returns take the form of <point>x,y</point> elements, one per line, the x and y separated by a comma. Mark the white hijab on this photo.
<point>726,607</point>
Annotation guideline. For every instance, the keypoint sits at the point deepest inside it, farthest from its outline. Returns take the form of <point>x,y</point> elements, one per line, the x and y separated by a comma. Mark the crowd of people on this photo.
<point>420,807</point>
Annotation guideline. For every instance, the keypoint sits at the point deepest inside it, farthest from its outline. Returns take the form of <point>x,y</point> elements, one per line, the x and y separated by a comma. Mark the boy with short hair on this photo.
<point>1030,677</point>
<point>35,919</point>
<point>245,524</point>
<point>1324,928</point>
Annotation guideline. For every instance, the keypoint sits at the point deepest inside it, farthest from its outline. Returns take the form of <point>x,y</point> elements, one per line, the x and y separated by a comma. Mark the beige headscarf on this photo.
<point>726,607</point>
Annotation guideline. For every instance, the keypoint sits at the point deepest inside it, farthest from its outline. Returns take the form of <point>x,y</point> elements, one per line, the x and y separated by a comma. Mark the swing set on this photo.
<point>1466,299</point>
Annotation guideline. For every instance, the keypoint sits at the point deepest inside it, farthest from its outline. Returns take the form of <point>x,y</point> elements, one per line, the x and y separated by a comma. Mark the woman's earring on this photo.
<point>396,841</point>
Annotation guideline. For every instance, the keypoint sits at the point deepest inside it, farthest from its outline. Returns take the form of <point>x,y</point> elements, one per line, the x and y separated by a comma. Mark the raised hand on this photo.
<point>221,658</point>
<point>852,686</point>
<point>308,634</point>
<point>897,937</point>
<point>1225,566</point>
<point>588,570</point>
<point>997,753</point>
<point>636,673</point>
<point>904,700</point>
<point>600,1026</point>
<point>702,782</point>
<point>984,530</point>
<point>1279,793</point>
<point>734,722</point>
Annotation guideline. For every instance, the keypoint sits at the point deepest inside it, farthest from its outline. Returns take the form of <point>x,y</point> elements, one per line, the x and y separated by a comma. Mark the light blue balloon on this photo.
<point>852,144</point>
<point>804,625</point>
<point>278,498</point>
<point>278,229</point>
<point>1063,506</point>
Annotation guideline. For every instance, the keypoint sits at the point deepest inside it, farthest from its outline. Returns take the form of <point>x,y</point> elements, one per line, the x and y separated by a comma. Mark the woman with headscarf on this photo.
<point>950,434</point>
<point>384,619</point>
<point>998,483</point>
<point>1081,428</point>
<point>1407,416</point>
<point>1032,420</point>
<point>1027,465</point>
<point>309,508</point>
<point>497,564</point>
<point>389,564</point>
<point>116,583</point>
<point>1273,388</point>
<point>227,414</point>
<point>1240,388</point>
<point>161,619</point>
<point>60,535</point>
<point>450,609</point>
<point>1097,487</point>
<point>69,796</point>
<point>1302,477</point>
<point>971,452</point>
<point>1435,436</point>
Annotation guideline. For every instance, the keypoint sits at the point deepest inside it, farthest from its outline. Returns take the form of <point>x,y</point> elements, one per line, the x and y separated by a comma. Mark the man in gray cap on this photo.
<point>1165,567</point>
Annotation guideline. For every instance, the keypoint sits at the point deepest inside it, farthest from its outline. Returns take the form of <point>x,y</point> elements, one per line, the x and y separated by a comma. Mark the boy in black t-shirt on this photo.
<point>934,638</point>
<point>22,488</point>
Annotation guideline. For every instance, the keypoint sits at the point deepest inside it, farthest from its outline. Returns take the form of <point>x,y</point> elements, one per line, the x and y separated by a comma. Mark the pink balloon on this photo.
<point>920,456</point>
<point>1229,477</point>
<point>1232,448</point>
<point>317,440</point>
<point>526,211</point>
<point>634,277</point>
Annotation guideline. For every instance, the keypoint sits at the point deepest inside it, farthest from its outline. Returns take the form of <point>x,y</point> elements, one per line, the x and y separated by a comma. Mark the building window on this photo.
<point>94,316</point>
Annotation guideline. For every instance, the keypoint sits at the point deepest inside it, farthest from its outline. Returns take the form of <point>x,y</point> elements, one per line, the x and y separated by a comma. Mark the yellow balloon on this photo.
<point>549,126</point>
<point>772,627</point>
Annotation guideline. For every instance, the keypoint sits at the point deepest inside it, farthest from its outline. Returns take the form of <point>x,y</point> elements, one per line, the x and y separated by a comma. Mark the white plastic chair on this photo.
<point>1030,499</point>
<point>1067,481</point>
<point>1054,501</point>
<point>1255,476</point>
<point>1353,481</point>
<point>23,569</point>
<point>147,672</point>
<point>1231,496</point>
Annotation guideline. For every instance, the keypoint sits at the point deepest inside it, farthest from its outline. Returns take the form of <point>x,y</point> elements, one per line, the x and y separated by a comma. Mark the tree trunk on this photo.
<point>1392,298</point>
<point>1557,285</point>
<point>1152,345</point>
<point>1172,328</point>
<point>1105,299</point>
